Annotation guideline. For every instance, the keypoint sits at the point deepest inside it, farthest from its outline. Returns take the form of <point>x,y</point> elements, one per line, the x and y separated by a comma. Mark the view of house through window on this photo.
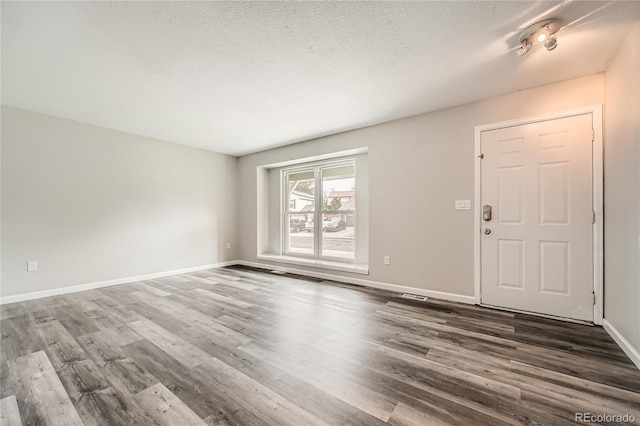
<point>320,214</point>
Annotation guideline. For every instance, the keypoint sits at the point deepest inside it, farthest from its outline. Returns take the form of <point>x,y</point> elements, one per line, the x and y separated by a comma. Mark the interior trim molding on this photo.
<point>453,297</point>
<point>624,344</point>
<point>91,286</point>
<point>354,268</point>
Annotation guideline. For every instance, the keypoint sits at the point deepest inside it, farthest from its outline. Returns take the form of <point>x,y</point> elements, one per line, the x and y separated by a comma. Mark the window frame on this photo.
<point>318,211</point>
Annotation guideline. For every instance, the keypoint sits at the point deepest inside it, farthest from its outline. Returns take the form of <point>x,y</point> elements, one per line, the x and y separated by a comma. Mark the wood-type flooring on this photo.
<point>242,346</point>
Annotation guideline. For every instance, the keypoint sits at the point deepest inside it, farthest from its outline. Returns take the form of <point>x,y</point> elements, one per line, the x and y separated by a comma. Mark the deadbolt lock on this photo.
<point>486,212</point>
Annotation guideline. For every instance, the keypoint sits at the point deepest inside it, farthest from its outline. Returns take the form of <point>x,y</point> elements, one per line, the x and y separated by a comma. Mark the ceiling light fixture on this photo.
<point>540,32</point>
<point>551,43</point>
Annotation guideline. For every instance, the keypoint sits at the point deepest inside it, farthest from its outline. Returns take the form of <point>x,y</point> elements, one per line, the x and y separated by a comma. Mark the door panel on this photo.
<point>554,193</point>
<point>510,197</point>
<point>554,271</point>
<point>538,256</point>
<point>511,263</point>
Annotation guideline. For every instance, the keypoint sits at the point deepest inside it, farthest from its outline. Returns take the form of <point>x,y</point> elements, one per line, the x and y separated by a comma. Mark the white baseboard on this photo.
<point>357,281</point>
<point>624,344</point>
<point>90,286</point>
<point>366,283</point>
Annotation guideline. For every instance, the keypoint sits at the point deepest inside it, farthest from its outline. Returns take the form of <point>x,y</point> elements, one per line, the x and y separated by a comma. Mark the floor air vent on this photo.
<point>415,297</point>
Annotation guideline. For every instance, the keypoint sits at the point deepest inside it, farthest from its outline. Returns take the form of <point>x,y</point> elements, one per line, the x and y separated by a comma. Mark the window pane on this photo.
<point>300,196</point>
<point>300,234</point>
<point>339,188</point>
<point>338,235</point>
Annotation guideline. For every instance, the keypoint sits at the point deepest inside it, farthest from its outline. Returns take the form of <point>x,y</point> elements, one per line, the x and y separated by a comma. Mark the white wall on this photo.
<point>427,159</point>
<point>622,190</point>
<point>92,204</point>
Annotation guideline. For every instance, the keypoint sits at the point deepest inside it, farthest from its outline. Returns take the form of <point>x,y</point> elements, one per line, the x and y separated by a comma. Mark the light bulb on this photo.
<point>551,43</point>
<point>541,37</point>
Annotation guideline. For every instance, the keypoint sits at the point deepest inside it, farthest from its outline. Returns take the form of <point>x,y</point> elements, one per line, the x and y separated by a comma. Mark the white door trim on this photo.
<point>598,248</point>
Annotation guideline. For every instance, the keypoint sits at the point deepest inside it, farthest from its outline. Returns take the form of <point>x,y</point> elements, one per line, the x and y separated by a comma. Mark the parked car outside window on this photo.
<point>334,225</point>
<point>297,225</point>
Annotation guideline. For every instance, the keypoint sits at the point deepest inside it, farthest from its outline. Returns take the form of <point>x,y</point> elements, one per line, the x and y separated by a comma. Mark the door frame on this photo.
<point>597,198</point>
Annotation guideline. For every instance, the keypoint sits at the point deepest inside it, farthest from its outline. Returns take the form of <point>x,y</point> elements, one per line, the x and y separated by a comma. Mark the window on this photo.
<point>319,220</point>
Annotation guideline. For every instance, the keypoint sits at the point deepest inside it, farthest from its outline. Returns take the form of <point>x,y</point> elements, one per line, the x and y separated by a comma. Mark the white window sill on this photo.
<point>356,268</point>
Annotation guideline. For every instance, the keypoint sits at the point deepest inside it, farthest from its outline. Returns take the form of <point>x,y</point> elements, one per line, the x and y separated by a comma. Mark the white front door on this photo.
<point>537,253</point>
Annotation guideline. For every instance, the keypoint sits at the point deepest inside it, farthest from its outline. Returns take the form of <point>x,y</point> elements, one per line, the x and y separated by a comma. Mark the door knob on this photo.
<point>486,231</point>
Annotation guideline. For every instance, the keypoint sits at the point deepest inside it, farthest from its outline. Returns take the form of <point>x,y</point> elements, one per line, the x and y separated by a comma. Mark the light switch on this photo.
<point>463,204</point>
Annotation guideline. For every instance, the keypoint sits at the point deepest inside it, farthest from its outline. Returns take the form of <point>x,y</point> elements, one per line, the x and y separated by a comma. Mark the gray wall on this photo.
<point>92,204</point>
<point>418,167</point>
<point>622,190</point>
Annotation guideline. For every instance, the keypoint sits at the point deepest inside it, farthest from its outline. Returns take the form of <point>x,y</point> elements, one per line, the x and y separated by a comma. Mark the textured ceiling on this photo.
<point>239,77</point>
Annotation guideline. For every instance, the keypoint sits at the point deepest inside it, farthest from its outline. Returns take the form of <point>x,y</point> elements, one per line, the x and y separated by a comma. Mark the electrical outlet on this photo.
<point>228,246</point>
<point>32,266</point>
<point>387,260</point>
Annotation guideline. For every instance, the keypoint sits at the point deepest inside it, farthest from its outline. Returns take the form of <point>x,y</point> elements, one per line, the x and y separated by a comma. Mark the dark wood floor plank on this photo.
<point>208,283</point>
<point>151,289</point>
<point>107,323</point>
<point>9,412</point>
<point>6,386</point>
<point>81,301</point>
<point>360,366</point>
<point>253,329</point>
<point>40,395</point>
<point>595,370</point>
<point>166,408</point>
<point>19,338</point>
<point>38,311</point>
<point>125,314</point>
<point>164,304</point>
<point>122,372</point>
<point>101,299</point>
<point>60,346</point>
<point>190,387</point>
<point>244,346</point>
<point>118,293</point>
<point>74,321</point>
<point>178,348</point>
<point>212,307</point>
<point>11,310</point>
<point>230,301</point>
<point>93,396</point>
<point>567,383</point>
<point>170,322</point>
<point>363,398</point>
<point>403,415</point>
<point>173,279</point>
<point>313,400</point>
<point>598,397</point>
<point>206,328</point>
<point>163,286</point>
<point>257,398</point>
